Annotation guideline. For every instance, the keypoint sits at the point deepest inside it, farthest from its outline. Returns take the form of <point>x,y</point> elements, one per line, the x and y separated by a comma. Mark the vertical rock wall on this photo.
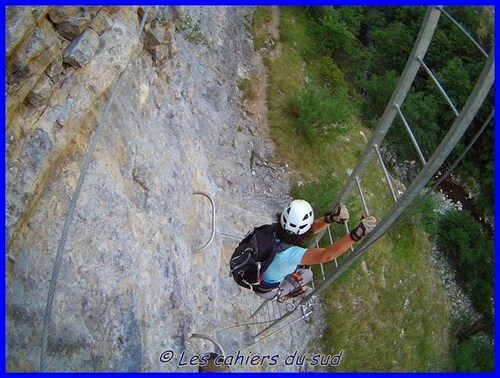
<point>133,282</point>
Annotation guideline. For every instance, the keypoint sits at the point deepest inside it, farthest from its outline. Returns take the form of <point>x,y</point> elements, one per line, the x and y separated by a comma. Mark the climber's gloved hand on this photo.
<point>364,227</point>
<point>338,215</point>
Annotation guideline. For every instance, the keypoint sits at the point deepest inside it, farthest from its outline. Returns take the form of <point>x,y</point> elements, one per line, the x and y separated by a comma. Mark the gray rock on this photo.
<point>82,49</point>
<point>152,12</point>
<point>162,54</point>
<point>155,34</point>
<point>40,94</point>
<point>68,110</point>
<point>101,22</point>
<point>55,69</point>
<point>130,343</point>
<point>40,11</point>
<point>30,48</point>
<point>35,152</point>
<point>94,10</point>
<point>74,26</point>
<point>20,85</point>
<point>171,13</point>
<point>18,22</point>
<point>30,59</point>
<point>113,9</point>
<point>60,14</point>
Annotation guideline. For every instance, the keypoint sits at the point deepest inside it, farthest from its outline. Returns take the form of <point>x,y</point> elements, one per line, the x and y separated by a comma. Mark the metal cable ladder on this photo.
<point>271,313</point>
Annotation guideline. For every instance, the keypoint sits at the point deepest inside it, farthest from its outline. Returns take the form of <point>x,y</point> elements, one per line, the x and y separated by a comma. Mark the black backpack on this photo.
<point>253,256</point>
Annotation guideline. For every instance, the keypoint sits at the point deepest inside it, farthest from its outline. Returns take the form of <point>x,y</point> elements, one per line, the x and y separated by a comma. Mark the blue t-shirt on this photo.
<point>284,264</point>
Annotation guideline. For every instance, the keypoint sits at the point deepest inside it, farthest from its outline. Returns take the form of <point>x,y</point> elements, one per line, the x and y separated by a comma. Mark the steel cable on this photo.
<point>71,211</point>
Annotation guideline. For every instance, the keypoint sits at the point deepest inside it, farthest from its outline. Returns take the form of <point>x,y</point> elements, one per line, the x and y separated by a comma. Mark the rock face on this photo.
<point>133,282</point>
<point>82,49</point>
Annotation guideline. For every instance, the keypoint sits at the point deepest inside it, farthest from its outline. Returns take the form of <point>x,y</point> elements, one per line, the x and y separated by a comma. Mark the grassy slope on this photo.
<point>366,313</point>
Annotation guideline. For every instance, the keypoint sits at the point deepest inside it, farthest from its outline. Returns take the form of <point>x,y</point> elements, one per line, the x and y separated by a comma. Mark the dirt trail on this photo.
<point>273,28</point>
<point>258,106</point>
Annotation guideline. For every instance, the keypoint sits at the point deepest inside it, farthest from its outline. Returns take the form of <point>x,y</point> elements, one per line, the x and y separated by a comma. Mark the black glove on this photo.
<point>364,227</point>
<point>339,215</point>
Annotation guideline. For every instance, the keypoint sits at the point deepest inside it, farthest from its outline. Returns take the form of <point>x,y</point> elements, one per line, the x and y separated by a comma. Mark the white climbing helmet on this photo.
<point>297,217</point>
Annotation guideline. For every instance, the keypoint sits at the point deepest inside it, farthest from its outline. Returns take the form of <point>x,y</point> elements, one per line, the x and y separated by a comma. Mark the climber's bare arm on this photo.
<point>324,255</point>
<point>319,225</point>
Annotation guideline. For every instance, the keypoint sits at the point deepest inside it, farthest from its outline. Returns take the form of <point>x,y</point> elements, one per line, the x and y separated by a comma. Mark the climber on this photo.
<point>289,271</point>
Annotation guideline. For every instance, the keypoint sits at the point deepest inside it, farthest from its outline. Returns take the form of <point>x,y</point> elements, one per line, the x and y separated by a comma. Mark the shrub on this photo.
<point>474,355</point>
<point>428,217</point>
<point>471,252</point>
<point>329,73</point>
<point>318,113</point>
<point>379,91</point>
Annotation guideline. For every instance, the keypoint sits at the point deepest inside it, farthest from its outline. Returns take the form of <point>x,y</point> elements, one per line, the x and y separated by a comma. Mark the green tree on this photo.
<point>474,355</point>
<point>391,46</point>
<point>336,29</point>
<point>470,250</point>
<point>421,111</point>
<point>378,92</point>
<point>457,81</point>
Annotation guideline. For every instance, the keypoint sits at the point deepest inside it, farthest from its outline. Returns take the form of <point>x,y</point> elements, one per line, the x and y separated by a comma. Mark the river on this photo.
<point>460,196</point>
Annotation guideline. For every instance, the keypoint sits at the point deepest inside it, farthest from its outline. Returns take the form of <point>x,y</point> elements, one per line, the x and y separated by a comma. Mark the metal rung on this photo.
<point>282,328</point>
<point>464,31</point>
<point>259,308</point>
<point>413,139</point>
<point>330,234</point>
<point>331,242</point>
<point>348,232</point>
<point>321,265</point>
<point>386,174</point>
<point>436,81</point>
<point>322,271</point>
<point>362,195</point>
<point>269,317</point>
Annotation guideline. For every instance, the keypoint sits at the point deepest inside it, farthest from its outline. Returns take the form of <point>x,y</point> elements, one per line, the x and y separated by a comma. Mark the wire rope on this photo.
<point>71,211</point>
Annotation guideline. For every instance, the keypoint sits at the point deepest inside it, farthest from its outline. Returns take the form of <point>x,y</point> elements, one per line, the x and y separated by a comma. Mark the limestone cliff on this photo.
<point>133,282</point>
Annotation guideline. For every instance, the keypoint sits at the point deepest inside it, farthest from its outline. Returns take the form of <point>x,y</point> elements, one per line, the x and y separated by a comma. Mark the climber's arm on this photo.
<point>324,255</point>
<point>334,250</point>
<point>319,225</point>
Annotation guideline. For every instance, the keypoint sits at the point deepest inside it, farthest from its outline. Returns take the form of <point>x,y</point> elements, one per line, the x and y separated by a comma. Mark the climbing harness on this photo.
<point>298,290</point>
<point>71,211</point>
